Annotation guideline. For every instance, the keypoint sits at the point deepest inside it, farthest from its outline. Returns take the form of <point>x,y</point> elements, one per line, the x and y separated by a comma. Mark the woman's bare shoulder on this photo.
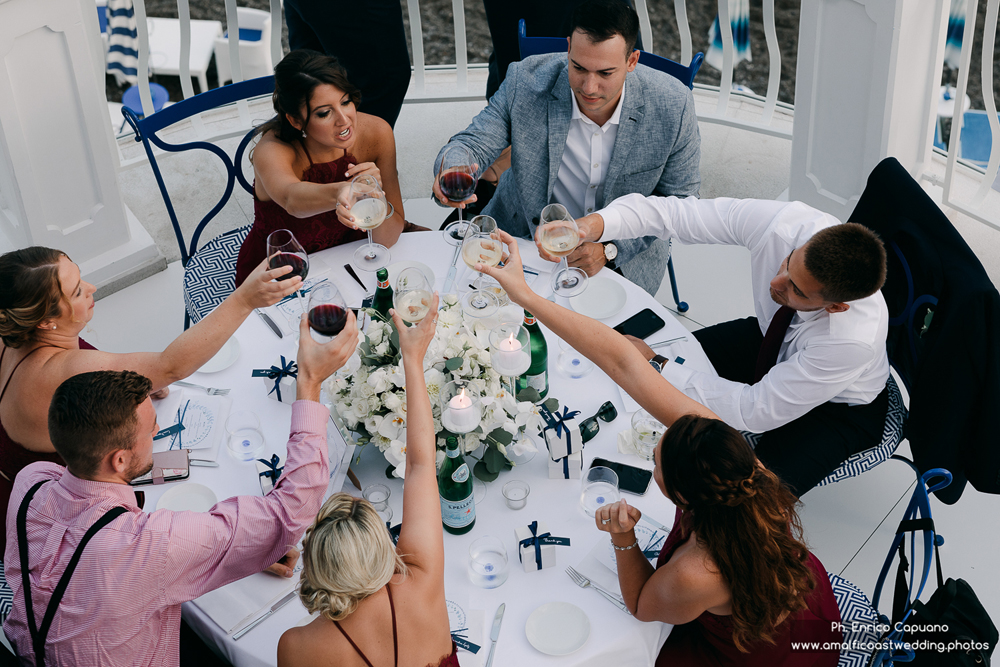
<point>376,137</point>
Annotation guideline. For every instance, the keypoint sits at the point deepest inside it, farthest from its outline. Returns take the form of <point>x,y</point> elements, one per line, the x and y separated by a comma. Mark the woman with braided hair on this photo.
<point>733,576</point>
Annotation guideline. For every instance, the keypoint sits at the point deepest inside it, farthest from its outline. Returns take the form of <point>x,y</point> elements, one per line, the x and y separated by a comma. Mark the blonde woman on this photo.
<point>380,605</point>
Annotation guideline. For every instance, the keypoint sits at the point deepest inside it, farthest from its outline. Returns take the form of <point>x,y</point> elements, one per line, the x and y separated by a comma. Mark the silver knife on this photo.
<point>495,633</point>
<point>668,341</point>
<point>269,322</point>
<point>274,607</point>
<point>453,271</point>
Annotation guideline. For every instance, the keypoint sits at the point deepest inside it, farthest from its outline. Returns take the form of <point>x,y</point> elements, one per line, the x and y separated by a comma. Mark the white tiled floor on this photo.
<point>849,525</point>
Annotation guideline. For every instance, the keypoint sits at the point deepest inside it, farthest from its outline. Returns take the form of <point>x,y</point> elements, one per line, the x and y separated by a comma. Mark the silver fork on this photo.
<point>584,582</point>
<point>212,391</point>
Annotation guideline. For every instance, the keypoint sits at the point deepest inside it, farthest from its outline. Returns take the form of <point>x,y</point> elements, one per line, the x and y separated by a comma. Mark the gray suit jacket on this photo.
<point>657,150</point>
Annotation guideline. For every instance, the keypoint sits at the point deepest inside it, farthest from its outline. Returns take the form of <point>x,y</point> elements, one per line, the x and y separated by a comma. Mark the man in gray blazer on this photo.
<point>586,128</point>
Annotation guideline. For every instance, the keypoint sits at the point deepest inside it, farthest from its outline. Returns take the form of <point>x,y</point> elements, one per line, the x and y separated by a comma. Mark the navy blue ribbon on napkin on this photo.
<point>652,549</point>
<point>288,369</point>
<point>461,642</point>
<point>537,541</point>
<point>175,438</point>
<point>170,430</point>
<point>273,472</point>
<point>556,421</point>
<point>302,292</point>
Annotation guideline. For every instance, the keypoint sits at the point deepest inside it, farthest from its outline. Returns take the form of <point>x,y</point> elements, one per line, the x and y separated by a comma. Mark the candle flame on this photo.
<point>511,339</point>
<point>463,392</point>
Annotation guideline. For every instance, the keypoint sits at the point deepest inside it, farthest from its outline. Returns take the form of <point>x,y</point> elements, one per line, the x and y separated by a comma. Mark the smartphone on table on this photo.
<point>630,478</point>
<point>641,325</point>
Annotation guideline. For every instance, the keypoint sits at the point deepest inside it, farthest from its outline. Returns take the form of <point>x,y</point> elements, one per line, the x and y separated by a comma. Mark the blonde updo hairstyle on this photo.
<point>31,292</point>
<point>347,555</point>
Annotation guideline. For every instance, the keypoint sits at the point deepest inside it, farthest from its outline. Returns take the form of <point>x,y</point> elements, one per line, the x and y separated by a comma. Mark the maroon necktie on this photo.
<point>771,345</point>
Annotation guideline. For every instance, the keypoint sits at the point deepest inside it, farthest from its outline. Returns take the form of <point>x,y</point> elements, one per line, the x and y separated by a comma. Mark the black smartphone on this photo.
<point>642,324</point>
<point>630,479</point>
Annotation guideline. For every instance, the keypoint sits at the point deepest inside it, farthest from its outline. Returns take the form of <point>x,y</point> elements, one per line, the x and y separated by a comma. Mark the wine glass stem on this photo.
<point>371,246</point>
<point>475,285</point>
<point>563,266</point>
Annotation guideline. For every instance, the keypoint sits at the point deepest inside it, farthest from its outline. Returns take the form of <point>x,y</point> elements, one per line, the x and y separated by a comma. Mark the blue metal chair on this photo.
<point>533,46</point>
<point>209,271</point>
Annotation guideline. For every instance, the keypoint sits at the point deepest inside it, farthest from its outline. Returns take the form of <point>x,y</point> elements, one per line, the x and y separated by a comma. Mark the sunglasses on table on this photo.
<point>590,426</point>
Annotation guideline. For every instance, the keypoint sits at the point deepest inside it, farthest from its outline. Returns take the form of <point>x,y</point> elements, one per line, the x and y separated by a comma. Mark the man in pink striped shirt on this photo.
<point>123,603</point>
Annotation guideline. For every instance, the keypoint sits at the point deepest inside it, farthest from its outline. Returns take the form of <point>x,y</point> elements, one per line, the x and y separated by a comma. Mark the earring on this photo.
<point>303,134</point>
<point>53,327</point>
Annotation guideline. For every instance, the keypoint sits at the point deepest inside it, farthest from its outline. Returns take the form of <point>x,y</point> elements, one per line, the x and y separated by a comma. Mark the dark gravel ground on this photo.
<point>439,48</point>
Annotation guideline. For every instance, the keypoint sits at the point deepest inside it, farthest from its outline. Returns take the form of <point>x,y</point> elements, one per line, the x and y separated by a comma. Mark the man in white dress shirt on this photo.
<point>585,128</point>
<point>809,370</point>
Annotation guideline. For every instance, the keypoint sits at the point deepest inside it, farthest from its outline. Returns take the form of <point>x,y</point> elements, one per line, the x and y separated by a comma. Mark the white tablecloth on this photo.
<point>615,637</point>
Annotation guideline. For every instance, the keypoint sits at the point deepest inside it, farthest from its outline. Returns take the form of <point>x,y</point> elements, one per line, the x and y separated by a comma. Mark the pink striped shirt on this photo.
<point>123,605</point>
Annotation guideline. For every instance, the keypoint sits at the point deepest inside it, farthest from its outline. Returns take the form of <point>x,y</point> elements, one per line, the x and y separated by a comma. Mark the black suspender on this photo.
<point>38,635</point>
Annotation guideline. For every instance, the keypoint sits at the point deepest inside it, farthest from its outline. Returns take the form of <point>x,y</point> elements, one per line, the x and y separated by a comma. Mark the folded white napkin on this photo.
<point>236,605</point>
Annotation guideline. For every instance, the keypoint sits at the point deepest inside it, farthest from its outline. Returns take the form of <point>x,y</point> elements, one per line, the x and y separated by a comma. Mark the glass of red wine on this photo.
<point>283,249</point>
<point>327,312</point>
<point>457,180</point>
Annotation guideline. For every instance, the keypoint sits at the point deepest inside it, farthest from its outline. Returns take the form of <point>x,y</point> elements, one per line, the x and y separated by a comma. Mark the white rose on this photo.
<point>362,407</point>
<point>372,423</point>
<point>375,333</point>
<point>392,400</point>
<point>379,380</point>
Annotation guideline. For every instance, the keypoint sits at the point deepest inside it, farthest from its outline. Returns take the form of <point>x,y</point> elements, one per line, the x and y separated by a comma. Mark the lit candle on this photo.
<point>510,357</point>
<point>461,416</point>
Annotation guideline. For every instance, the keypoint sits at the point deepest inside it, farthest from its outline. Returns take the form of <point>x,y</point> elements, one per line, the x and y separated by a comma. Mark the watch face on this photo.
<point>610,251</point>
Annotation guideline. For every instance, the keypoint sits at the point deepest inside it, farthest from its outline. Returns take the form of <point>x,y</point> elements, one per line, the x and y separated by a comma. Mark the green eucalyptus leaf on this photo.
<point>394,338</point>
<point>483,474</point>
<point>500,435</point>
<point>454,363</point>
<point>529,394</point>
<point>551,404</point>
<point>493,459</point>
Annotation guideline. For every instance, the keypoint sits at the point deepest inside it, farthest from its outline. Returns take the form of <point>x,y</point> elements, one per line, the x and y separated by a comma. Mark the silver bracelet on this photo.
<point>631,546</point>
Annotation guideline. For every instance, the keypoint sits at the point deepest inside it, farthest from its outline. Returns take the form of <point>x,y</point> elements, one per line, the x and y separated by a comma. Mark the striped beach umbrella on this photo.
<point>956,29</point>
<point>739,18</point>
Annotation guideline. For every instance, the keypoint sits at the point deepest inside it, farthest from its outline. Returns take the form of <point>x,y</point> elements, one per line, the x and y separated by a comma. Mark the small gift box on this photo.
<point>561,432</point>
<point>268,473</point>
<point>536,547</point>
<point>568,467</point>
<point>279,379</point>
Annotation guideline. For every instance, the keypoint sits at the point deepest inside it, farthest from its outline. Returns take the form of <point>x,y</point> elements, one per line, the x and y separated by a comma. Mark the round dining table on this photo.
<point>614,636</point>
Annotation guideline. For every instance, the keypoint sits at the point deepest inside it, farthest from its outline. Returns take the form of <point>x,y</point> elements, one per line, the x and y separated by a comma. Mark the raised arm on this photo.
<point>421,540</point>
<point>273,168</point>
<point>607,348</point>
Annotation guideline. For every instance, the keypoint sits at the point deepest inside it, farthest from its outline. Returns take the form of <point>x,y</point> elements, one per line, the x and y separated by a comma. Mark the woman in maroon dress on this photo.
<point>307,156</point>
<point>733,576</point>
<point>44,306</point>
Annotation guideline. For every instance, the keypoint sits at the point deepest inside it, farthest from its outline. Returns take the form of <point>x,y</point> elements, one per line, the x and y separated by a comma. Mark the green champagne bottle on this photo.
<point>383,294</point>
<point>537,375</point>
<point>458,509</point>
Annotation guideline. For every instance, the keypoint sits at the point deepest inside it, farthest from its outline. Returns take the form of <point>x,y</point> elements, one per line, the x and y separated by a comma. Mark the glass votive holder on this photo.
<point>377,495</point>
<point>245,439</point>
<point>515,494</point>
<point>646,434</point>
<point>510,349</point>
<point>385,513</point>
<point>572,363</point>
<point>461,408</point>
<point>488,562</point>
<point>600,488</point>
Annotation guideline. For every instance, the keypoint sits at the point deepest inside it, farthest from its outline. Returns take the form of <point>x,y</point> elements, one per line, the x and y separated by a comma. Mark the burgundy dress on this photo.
<point>14,457</point>
<point>315,233</point>
<point>708,640</point>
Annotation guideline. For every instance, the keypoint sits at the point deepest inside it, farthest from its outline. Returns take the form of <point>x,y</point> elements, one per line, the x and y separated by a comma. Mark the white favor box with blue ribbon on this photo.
<point>536,547</point>
<point>561,432</point>
<point>268,472</point>
<point>568,467</point>
<point>279,379</point>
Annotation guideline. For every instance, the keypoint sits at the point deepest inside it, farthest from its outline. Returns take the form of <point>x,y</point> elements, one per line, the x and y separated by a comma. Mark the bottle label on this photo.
<point>538,382</point>
<point>458,513</point>
<point>451,453</point>
<point>383,285</point>
<point>528,319</point>
<point>461,474</point>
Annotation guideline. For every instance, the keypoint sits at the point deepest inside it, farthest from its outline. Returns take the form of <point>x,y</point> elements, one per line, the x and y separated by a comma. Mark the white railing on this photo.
<point>725,113</point>
<point>975,205</point>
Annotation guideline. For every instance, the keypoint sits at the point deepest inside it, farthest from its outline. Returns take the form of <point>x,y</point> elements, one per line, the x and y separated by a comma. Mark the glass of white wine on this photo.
<point>412,295</point>
<point>370,209</point>
<point>560,236</point>
<point>481,245</point>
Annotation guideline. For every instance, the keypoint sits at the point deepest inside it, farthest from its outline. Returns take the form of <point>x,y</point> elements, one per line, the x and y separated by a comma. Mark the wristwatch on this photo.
<point>610,253</point>
<point>657,362</point>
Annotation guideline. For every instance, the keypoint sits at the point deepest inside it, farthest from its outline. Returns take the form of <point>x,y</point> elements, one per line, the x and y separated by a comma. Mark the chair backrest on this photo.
<point>977,138</point>
<point>254,45</point>
<point>146,130</point>
<point>533,46</point>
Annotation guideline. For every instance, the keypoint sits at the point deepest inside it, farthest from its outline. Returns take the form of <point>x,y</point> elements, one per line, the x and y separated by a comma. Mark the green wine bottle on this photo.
<point>458,509</point>
<point>383,294</point>
<point>537,375</point>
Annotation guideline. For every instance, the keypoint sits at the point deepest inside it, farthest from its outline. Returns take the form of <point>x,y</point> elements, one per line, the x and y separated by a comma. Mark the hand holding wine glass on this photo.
<point>559,236</point>
<point>369,209</point>
<point>456,177</point>
<point>481,246</point>
<point>414,341</point>
<point>263,288</point>
<point>412,295</point>
<point>318,361</point>
<point>283,249</point>
<point>327,311</point>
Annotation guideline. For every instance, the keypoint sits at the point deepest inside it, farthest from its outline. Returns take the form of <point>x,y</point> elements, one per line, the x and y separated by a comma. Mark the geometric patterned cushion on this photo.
<point>892,435</point>
<point>859,619</point>
<point>6,596</point>
<point>209,276</point>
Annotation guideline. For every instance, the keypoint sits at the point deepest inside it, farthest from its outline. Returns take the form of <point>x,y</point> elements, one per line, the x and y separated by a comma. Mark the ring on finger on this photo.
<point>605,522</point>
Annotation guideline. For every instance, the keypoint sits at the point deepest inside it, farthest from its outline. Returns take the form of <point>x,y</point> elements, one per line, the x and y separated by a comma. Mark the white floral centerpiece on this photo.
<point>370,397</point>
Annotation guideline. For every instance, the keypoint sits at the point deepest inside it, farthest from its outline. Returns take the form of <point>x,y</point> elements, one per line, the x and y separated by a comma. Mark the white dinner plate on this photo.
<point>557,628</point>
<point>602,299</point>
<point>189,496</point>
<point>224,358</point>
<point>397,268</point>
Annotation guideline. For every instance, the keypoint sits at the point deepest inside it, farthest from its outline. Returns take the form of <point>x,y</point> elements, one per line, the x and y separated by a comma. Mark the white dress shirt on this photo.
<point>580,182</point>
<point>838,357</point>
